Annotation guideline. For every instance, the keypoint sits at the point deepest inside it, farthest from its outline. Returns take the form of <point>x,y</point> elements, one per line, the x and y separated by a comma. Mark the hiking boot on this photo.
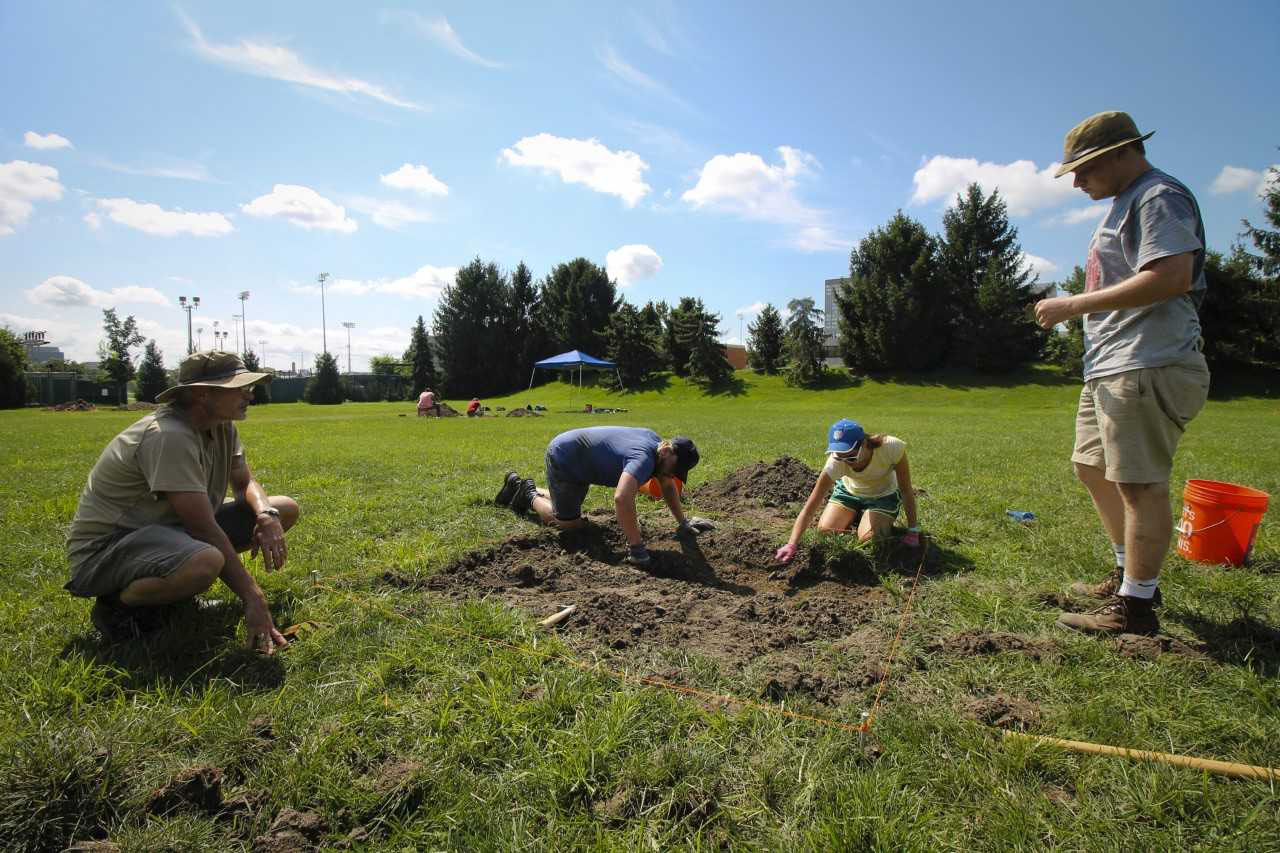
<point>117,622</point>
<point>522,501</point>
<point>1108,588</point>
<point>1120,615</point>
<point>510,485</point>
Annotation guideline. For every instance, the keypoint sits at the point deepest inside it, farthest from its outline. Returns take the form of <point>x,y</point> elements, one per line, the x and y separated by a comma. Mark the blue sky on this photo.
<point>735,152</point>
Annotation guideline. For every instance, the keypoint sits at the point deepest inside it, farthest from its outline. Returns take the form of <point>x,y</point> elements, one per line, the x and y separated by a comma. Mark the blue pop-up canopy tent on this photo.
<point>572,360</point>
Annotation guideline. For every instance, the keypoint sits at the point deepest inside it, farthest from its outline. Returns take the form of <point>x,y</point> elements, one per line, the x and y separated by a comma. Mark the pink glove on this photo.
<point>912,539</point>
<point>785,554</point>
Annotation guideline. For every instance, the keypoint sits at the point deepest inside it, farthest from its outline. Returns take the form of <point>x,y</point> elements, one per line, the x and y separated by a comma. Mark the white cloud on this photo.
<point>583,161</point>
<point>180,171</point>
<point>1042,267</point>
<point>46,142</point>
<point>63,291</point>
<point>749,310</point>
<point>1236,178</point>
<point>302,206</point>
<point>631,263</point>
<point>745,185</point>
<point>1092,213</point>
<point>1021,185</point>
<point>22,184</point>
<point>416,178</point>
<point>634,77</point>
<point>389,214</point>
<point>153,219</point>
<point>442,33</point>
<point>279,63</point>
<point>426,282</point>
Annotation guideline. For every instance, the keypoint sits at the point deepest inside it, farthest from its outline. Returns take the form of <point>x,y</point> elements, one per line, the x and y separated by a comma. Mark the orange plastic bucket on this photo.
<point>1220,522</point>
<point>653,490</point>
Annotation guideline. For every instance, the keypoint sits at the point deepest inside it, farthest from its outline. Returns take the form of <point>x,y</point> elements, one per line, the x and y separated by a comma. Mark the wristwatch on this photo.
<point>272,511</point>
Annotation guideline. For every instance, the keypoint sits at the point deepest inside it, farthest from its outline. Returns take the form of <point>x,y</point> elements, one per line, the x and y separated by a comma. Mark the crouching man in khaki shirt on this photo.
<point>154,525</point>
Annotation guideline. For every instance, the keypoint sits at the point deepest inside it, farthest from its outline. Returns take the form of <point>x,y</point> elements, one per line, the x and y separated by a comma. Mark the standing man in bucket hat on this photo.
<point>1144,375</point>
<point>620,457</point>
<point>153,526</point>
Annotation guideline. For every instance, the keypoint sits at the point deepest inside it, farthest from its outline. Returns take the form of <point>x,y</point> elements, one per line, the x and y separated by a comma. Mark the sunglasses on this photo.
<point>850,454</point>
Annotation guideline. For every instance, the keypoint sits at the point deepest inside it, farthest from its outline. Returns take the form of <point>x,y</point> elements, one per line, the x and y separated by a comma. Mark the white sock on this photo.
<point>1139,589</point>
<point>1119,549</point>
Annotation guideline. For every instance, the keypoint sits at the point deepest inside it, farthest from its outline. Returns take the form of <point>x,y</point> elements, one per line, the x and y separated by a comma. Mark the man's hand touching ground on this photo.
<point>263,636</point>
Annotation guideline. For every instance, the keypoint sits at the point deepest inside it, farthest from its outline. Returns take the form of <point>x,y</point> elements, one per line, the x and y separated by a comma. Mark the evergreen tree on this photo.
<point>1266,241</point>
<point>577,301</point>
<point>632,346</point>
<point>152,377</point>
<point>804,339</point>
<point>261,391</point>
<point>526,339</point>
<point>325,387</point>
<point>13,361</point>
<point>676,351</point>
<point>698,331</point>
<point>422,374</point>
<point>891,313</point>
<point>470,327</point>
<point>990,286</point>
<point>122,336</point>
<point>1066,348</point>
<point>1240,314</point>
<point>766,344</point>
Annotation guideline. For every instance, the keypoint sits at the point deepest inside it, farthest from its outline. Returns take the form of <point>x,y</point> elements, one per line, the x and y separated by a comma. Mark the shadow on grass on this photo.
<point>604,545</point>
<point>654,382</point>
<point>962,379</point>
<point>195,647</point>
<point>730,386</point>
<point>865,565</point>
<point>1243,641</point>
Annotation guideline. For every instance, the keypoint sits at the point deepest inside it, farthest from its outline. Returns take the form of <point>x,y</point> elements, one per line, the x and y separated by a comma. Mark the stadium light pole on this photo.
<point>263,344</point>
<point>234,319</point>
<point>189,306</point>
<point>244,326</point>
<point>349,327</point>
<point>324,337</point>
<point>199,337</point>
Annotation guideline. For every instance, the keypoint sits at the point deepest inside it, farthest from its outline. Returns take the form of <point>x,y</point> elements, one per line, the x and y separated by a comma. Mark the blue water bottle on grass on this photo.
<point>1021,516</point>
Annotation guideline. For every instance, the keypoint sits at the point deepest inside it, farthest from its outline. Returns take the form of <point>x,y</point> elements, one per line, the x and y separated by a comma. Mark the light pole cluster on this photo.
<point>189,306</point>
<point>349,327</point>
<point>324,337</point>
<point>244,329</point>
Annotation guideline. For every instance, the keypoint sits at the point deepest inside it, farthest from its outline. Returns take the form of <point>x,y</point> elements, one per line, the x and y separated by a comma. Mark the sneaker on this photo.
<point>510,485</point>
<point>522,501</point>
<point>1120,615</point>
<point>1108,588</point>
<point>117,622</point>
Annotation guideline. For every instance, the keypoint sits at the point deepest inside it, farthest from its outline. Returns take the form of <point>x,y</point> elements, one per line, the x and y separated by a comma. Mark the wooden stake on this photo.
<point>557,618</point>
<point>1222,768</point>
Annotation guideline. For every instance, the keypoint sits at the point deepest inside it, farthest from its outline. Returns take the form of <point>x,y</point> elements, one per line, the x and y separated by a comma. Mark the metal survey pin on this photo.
<point>315,578</point>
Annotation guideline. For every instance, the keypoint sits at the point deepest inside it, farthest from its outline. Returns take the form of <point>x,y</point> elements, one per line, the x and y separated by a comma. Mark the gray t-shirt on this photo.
<point>598,456</point>
<point>1157,216</point>
<point>158,454</point>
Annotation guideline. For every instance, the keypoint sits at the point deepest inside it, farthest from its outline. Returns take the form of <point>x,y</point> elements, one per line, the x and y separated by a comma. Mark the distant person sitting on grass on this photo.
<point>868,479</point>
<point>473,408</point>
<point>153,526</point>
<point>427,403</point>
<point>619,457</point>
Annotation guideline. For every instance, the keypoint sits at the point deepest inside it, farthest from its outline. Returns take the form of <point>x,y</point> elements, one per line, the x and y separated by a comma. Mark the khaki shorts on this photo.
<point>1129,424</point>
<point>155,551</point>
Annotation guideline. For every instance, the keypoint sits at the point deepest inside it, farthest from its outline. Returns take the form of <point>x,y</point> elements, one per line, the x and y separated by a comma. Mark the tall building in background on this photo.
<point>830,315</point>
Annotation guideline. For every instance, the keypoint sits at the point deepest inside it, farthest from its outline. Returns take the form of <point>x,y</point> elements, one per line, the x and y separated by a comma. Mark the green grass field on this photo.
<point>396,718</point>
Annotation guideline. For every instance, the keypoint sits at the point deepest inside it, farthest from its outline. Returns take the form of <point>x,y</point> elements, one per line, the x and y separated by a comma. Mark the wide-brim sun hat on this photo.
<point>212,369</point>
<point>1095,136</point>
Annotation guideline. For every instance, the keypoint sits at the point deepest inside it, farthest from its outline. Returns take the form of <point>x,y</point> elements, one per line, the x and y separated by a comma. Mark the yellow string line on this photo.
<point>893,649</point>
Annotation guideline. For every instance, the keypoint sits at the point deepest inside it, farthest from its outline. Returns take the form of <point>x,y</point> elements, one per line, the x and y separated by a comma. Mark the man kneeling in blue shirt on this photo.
<point>621,457</point>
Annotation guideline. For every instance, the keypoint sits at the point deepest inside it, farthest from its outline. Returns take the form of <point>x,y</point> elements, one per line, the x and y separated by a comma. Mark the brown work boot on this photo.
<point>1120,615</point>
<point>1108,588</point>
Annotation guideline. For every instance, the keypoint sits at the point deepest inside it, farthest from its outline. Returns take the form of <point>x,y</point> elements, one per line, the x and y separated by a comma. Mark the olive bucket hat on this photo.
<point>212,369</point>
<point>1096,135</point>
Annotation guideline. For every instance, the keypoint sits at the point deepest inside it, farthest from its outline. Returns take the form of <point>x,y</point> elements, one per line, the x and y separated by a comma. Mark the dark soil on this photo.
<point>718,594</point>
<point>1149,648</point>
<point>291,832</point>
<point>523,413</point>
<point>775,484</point>
<point>1004,712</point>
<point>196,788</point>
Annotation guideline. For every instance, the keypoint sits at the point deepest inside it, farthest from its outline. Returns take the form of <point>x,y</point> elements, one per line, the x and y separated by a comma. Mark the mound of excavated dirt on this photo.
<point>716,595</point>
<point>784,481</point>
<point>977,643</point>
<point>1004,712</point>
<point>523,413</point>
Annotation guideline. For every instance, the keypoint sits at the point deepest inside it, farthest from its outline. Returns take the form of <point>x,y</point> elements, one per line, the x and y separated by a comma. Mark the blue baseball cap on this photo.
<point>845,435</point>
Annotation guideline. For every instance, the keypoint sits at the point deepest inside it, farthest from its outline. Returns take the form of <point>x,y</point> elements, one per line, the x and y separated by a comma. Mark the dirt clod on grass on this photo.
<point>196,788</point>
<point>1142,647</point>
<point>775,484</point>
<point>711,595</point>
<point>291,832</point>
<point>978,643</point>
<point>1004,712</point>
<point>523,413</point>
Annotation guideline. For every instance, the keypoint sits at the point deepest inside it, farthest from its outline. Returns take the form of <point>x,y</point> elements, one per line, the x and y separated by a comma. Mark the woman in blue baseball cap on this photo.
<point>866,476</point>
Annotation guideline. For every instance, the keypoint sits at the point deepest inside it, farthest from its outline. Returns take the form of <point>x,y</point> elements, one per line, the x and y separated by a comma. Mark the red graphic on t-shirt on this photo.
<point>1092,271</point>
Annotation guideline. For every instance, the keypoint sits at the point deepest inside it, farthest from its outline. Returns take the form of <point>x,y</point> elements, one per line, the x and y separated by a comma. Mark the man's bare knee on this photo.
<point>289,510</point>
<point>202,569</point>
<point>1133,493</point>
